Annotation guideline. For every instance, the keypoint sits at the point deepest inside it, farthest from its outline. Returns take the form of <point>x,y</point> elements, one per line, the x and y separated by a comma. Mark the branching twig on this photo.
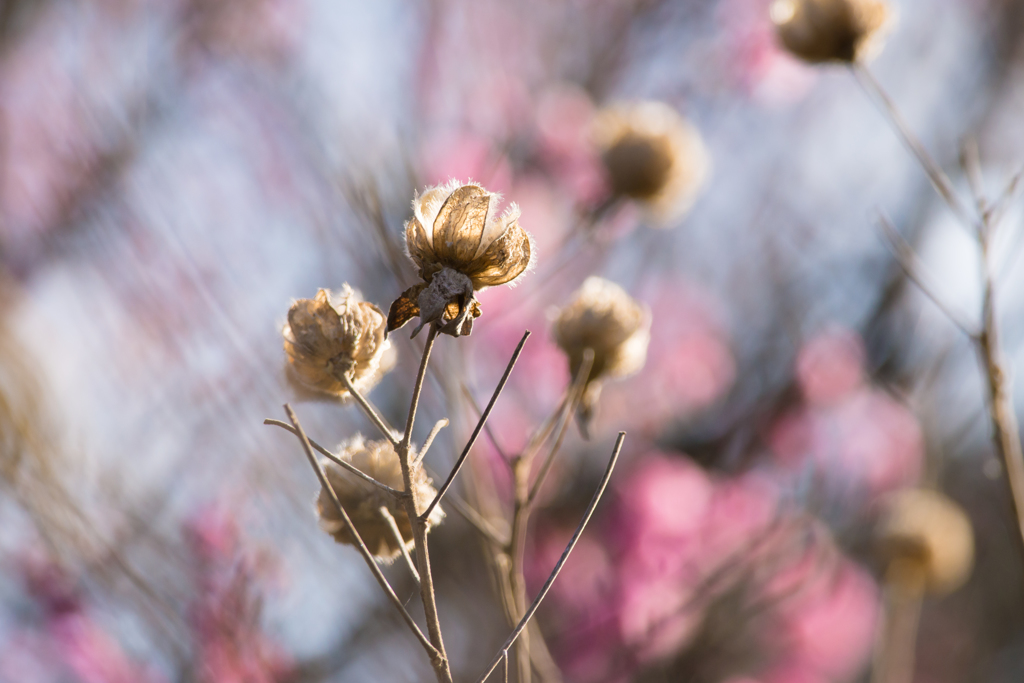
<point>907,259</point>
<point>561,561</point>
<point>371,412</point>
<point>397,535</point>
<point>335,459</point>
<point>360,546</point>
<point>438,426</point>
<point>479,426</point>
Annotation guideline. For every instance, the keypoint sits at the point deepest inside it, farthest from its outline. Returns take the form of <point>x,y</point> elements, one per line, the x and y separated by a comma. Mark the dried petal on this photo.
<point>405,308</point>
<point>459,226</point>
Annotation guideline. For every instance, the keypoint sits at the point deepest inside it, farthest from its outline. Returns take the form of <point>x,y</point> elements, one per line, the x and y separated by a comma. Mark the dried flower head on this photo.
<point>651,154</point>
<point>602,317</point>
<point>333,335</point>
<point>927,539</point>
<point>363,501</point>
<point>460,247</point>
<point>832,30</point>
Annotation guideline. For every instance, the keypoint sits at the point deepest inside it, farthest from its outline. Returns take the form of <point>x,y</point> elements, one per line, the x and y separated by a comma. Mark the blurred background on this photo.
<point>174,174</point>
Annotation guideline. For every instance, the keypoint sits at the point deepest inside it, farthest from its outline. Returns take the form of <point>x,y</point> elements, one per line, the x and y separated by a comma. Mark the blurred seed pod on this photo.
<point>651,155</point>
<point>459,247</point>
<point>331,335</point>
<point>363,501</point>
<point>928,540</point>
<point>832,30</point>
<point>604,318</point>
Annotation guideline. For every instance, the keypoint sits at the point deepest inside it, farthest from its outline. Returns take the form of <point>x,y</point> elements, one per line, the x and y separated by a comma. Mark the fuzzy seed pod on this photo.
<point>930,538</point>
<point>604,318</point>
<point>832,30</point>
<point>331,335</point>
<point>459,247</point>
<point>652,155</point>
<point>362,500</point>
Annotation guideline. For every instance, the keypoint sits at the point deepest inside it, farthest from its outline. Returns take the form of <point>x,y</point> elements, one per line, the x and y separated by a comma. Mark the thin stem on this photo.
<point>440,663</point>
<point>487,427</point>
<point>911,265</point>
<point>1005,430</point>
<point>418,387</point>
<point>896,646</point>
<point>335,459</point>
<point>397,535</point>
<point>438,426</point>
<point>479,426</point>
<point>576,393</point>
<point>935,174</point>
<point>371,412</point>
<point>360,546</point>
<point>561,562</point>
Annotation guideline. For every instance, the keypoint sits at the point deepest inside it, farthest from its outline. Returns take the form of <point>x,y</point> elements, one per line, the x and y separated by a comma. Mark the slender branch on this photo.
<point>335,459</point>
<point>360,546</point>
<point>438,426</point>
<point>442,668</point>
<point>397,535</point>
<point>371,412</point>
<point>940,181</point>
<point>907,259</point>
<point>479,426</point>
<point>1005,430</point>
<point>575,393</point>
<point>561,562</point>
<point>418,388</point>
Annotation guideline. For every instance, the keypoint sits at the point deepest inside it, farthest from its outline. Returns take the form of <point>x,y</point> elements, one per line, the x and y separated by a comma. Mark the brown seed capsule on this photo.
<point>331,335</point>
<point>459,247</point>
<point>651,155</point>
<point>832,30</point>
<point>927,539</point>
<point>362,500</point>
<point>604,318</point>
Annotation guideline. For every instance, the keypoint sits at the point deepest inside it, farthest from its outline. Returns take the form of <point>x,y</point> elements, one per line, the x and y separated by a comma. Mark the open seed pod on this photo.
<point>926,539</point>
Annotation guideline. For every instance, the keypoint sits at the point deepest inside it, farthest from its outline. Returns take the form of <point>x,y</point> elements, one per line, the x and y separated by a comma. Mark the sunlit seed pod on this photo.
<point>928,538</point>
<point>832,30</point>
<point>363,500</point>
<point>651,155</point>
<point>332,335</point>
<point>460,246</point>
<point>602,317</point>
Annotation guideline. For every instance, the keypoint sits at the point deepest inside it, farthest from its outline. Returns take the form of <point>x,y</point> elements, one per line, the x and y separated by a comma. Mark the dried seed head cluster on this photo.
<point>832,30</point>
<point>331,335</point>
<point>652,155</point>
<point>459,247</point>
<point>604,318</point>
<point>929,537</point>
<point>363,500</point>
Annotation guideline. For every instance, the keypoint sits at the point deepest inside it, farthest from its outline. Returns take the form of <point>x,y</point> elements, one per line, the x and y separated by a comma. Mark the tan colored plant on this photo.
<point>334,336</point>
<point>459,247</point>
<point>832,30</point>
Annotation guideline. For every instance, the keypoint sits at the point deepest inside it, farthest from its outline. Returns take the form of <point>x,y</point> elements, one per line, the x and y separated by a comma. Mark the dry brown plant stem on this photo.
<point>525,496</point>
<point>479,426</point>
<point>521,626</point>
<point>397,535</point>
<point>897,639</point>
<point>1005,430</point>
<point>360,546</point>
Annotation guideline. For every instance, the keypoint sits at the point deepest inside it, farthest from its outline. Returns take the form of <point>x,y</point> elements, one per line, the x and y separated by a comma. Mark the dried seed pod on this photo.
<point>832,30</point>
<point>459,247</point>
<point>651,154</point>
<point>362,500</point>
<point>927,539</point>
<point>331,335</point>
<point>604,318</point>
